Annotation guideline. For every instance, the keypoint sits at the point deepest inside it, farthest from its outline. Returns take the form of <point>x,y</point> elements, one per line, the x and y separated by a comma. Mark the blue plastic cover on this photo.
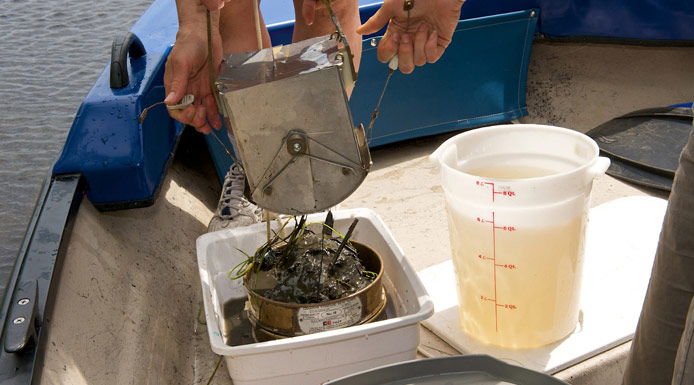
<point>123,161</point>
<point>665,20</point>
<point>669,20</point>
<point>480,80</point>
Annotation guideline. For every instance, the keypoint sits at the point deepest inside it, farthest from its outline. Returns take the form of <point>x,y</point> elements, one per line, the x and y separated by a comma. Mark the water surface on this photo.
<point>51,52</point>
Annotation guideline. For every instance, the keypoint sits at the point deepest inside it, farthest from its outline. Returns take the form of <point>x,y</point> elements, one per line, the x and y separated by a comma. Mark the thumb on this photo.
<point>212,5</point>
<point>308,11</point>
<point>175,87</point>
<point>375,23</point>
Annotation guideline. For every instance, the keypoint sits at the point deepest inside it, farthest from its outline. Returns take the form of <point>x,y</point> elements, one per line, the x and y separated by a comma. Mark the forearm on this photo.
<point>192,17</point>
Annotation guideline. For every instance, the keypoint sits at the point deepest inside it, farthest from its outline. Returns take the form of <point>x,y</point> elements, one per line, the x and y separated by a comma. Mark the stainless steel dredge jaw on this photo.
<point>287,108</point>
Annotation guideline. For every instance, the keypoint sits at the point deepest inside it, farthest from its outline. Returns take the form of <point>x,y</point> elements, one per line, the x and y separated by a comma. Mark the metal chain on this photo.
<point>341,37</point>
<point>407,7</point>
<point>210,69</point>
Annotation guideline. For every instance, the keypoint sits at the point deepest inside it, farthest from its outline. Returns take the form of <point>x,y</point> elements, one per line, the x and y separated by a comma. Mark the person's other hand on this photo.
<point>308,10</point>
<point>213,5</point>
<point>186,72</point>
<point>309,7</point>
<point>431,27</point>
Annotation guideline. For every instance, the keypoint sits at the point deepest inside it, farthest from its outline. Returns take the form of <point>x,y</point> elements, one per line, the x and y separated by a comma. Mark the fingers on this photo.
<point>200,120</point>
<point>375,23</point>
<point>423,48</point>
<point>213,5</point>
<point>195,116</point>
<point>388,47</point>
<point>432,49</point>
<point>405,54</point>
<point>420,39</point>
<point>184,116</point>
<point>308,11</point>
<point>175,84</point>
<point>212,112</point>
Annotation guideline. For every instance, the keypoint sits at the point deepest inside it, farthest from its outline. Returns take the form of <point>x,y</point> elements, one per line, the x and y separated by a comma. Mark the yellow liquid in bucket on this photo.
<point>510,172</point>
<point>518,287</point>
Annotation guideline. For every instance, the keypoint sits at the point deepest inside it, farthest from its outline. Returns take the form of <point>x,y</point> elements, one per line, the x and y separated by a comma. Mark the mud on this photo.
<point>308,270</point>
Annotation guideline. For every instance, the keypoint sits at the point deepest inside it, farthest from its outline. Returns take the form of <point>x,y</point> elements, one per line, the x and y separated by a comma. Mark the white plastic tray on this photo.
<point>319,357</point>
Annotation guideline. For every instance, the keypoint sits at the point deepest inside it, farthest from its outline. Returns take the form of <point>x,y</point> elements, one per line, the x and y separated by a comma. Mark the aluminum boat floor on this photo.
<point>129,292</point>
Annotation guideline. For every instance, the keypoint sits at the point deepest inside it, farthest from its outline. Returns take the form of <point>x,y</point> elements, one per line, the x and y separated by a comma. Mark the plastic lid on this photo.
<point>468,370</point>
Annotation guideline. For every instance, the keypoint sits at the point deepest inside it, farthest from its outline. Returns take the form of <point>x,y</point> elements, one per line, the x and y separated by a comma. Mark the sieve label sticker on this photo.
<point>322,318</point>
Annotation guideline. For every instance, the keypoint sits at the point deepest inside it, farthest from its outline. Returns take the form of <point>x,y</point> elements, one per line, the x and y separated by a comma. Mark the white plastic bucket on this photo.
<point>517,198</point>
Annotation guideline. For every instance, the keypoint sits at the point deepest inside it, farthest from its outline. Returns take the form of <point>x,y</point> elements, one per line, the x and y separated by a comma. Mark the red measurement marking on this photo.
<point>509,194</point>
<point>496,310</point>
<point>502,190</point>
<point>496,265</point>
<point>505,228</point>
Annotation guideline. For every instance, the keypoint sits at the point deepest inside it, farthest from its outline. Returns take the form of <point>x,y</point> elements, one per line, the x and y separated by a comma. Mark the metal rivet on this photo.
<point>23,301</point>
<point>18,320</point>
<point>374,42</point>
<point>297,147</point>
<point>532,14</point>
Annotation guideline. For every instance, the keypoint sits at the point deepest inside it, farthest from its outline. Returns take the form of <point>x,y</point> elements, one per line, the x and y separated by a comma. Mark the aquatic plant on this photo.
<point>308,265</point>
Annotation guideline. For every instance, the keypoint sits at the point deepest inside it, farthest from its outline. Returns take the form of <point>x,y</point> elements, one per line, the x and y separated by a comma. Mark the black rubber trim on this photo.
<point>23,320</point>
<point>39,263</point>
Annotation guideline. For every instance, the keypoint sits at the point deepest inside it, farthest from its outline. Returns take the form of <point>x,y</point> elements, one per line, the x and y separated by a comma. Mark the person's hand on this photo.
<point>186,72</point>
<point>213,5</point>
<point>309,7</point>
<point>308,10</point>
<point>431,27</point>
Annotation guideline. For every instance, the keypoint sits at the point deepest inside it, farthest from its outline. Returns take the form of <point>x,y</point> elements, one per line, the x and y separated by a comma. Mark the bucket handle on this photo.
<point>599,167</point>
<point>435,157</point>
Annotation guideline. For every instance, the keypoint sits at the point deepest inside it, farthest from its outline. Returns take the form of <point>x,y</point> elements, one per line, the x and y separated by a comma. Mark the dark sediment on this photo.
<point>307,270</point>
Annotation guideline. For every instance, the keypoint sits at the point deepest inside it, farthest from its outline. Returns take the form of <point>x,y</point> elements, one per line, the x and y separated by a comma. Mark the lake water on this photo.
<point>51,52</point>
